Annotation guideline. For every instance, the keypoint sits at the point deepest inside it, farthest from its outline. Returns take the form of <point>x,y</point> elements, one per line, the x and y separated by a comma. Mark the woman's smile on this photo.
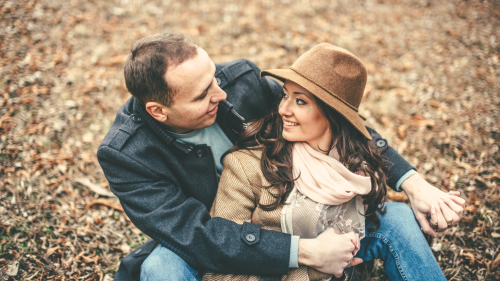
<point>288,124</point>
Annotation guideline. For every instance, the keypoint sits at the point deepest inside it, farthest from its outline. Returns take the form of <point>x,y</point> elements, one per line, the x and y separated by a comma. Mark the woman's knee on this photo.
<point>399,216</point>
<point>163,262</point>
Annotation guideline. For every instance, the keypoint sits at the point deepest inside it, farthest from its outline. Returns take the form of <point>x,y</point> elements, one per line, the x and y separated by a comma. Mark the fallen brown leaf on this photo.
<point>401,131</point>
<point>99,221</point>
<point>470,208</point>
<point>470,257</point>
<point>105,202</point>
<point>495,263</point>
<point>95,188</point>
<point>466,166</point>
<point>50,251</point>
<point>425,123</point>
<point>91,258</point>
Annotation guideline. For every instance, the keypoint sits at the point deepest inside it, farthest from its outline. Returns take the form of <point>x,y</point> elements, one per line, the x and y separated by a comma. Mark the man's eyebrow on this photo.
<point>204,92</point>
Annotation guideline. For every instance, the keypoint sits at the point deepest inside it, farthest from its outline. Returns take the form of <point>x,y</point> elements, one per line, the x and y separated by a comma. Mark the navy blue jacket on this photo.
<point>167,188</point>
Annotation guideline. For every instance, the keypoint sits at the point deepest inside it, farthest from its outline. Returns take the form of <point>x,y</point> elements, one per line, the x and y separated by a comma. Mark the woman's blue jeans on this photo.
<point>399,242</point>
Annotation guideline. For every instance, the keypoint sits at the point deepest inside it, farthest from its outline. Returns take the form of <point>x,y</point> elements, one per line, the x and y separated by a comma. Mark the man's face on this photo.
<point>197,95</point>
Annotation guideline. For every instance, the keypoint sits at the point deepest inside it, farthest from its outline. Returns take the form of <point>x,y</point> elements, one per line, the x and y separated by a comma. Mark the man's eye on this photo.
<point>203,96</point>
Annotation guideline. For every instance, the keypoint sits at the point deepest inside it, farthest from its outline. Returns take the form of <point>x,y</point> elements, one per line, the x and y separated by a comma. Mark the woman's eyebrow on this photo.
<point>297,93</point>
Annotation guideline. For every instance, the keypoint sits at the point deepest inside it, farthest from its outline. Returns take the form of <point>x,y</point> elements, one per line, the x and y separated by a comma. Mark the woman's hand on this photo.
<point>330,252</point>
<point>355,241</point>
<point>448,206</point>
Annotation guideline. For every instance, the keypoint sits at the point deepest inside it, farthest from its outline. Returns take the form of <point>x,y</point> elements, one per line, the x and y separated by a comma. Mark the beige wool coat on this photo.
<point>238,197</point>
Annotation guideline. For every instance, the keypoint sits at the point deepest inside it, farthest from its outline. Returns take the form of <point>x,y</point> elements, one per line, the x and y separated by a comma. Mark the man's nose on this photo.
<point>220,95</point>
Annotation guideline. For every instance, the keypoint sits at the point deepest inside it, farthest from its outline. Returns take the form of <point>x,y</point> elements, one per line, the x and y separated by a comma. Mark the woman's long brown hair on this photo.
<point>355,152</point>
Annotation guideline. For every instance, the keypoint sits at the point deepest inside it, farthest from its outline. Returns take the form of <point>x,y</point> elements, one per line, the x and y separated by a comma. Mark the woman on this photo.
<point>309,166</point>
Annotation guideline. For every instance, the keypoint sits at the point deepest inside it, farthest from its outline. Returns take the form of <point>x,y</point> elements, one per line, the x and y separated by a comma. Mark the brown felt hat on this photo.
<point>333,75</point>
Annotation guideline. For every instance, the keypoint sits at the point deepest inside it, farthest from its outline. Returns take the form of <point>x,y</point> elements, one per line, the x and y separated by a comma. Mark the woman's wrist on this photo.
<point>411,184</point>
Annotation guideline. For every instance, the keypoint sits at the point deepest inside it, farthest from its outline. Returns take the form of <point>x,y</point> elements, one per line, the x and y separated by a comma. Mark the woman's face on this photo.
<point>303,119</point>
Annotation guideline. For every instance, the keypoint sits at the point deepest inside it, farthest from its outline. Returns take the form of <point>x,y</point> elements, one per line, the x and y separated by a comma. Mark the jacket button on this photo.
<point>137,252</point>
<point>199,153</point>
<point>136,118</point>
<point>381,143</point>
<point>250,237</point>
<point>218,81</point>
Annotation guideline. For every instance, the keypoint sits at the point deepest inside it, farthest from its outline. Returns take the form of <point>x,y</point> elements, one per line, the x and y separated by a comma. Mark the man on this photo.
<point>162,159</point>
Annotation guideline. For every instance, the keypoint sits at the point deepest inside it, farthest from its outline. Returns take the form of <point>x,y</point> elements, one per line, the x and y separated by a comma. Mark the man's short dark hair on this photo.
<point>149,59</point>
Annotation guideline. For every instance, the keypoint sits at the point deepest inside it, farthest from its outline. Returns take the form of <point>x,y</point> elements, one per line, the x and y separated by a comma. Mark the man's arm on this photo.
<point>158,207</point>
<point>402,176</point>
<point>236,200</point>
<point>395,165</point>
<point>449,207</point>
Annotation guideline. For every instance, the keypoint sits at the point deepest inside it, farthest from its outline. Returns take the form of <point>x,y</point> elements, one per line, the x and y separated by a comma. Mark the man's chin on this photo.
<point>207,123</point>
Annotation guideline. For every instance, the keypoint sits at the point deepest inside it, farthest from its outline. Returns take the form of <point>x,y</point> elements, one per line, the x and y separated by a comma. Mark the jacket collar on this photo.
<point>227,118</point>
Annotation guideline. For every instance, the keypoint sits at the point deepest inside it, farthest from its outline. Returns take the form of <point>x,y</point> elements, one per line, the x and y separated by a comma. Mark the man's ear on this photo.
<point>157,111</point>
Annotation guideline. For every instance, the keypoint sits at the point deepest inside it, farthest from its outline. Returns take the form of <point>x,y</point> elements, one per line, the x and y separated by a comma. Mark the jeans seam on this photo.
<point>391,249</point>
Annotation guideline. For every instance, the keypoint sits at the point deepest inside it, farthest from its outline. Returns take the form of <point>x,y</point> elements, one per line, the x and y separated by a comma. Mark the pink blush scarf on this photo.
<point>323,178</point>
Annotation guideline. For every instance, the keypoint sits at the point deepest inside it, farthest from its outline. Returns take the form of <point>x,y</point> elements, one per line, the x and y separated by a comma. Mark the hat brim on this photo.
<point>350,114</point>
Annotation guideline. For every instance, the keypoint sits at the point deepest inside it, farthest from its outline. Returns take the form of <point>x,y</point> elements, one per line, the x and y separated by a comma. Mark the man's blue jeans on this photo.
<point>399,242</point>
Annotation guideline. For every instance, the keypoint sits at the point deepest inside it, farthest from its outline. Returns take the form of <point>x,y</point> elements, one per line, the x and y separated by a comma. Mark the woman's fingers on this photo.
<point>355,241</point>
<point>455,207</point>
<point>425,225</point>
<point>442,224</point>
<point>356,261</point>
<point>459,200</point>
<point>449,215</point>
<point>434,218</point>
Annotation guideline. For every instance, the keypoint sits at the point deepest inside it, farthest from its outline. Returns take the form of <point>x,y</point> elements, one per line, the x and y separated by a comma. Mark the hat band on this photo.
<point>328,91</point>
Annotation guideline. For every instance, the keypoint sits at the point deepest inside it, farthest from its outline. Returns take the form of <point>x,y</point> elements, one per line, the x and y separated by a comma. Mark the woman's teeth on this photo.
<point>291,123</point>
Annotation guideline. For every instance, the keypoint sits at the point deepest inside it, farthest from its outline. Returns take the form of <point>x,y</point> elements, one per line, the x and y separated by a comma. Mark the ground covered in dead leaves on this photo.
<point>433,92</point>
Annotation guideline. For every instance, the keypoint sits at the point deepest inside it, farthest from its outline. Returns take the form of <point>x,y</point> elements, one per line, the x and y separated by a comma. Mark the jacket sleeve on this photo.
<point>235,201</point>
<point>158,207</point>
<point>396,165</point>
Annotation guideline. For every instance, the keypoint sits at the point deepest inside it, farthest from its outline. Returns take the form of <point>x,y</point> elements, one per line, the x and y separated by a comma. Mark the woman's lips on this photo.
<point>213,111</point>
<point>290,125</point>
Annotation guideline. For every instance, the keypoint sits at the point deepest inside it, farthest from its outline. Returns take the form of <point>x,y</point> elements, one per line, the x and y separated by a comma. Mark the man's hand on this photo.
<point>330,252</point>
<point>449,207</point>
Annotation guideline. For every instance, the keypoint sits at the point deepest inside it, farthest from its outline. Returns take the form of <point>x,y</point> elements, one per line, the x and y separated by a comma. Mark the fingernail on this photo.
<point>441,200</point>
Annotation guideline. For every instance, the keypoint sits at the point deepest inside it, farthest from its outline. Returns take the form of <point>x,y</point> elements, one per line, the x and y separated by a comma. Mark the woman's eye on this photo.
<point>301,102</point>
<point>285,95</point>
